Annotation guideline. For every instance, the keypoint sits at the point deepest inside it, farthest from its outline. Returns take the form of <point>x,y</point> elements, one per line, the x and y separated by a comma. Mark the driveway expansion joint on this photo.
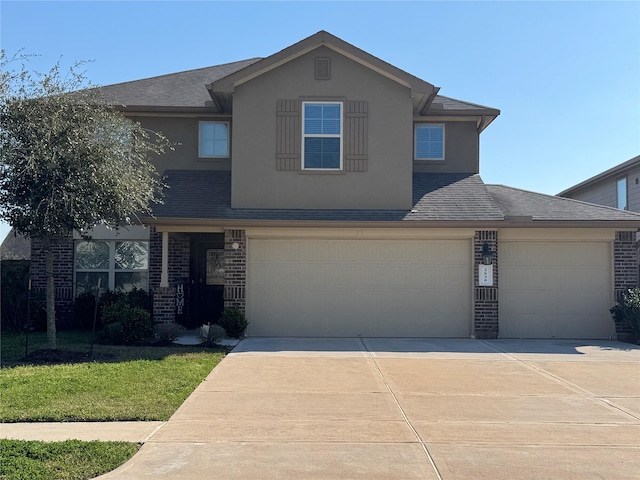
<point>404,415</point>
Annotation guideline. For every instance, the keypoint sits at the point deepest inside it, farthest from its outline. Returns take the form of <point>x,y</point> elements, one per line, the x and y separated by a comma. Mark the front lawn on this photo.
<point>69,460</point>
<point>120,383</point>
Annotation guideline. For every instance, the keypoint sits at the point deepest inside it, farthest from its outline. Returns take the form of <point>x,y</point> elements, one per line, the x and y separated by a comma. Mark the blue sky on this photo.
<point>565,75</point>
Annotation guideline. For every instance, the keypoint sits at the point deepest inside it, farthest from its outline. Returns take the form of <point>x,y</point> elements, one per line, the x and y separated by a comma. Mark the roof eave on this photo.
<point>495,224</point>
<point>320,39</point>
<point>614,171</point>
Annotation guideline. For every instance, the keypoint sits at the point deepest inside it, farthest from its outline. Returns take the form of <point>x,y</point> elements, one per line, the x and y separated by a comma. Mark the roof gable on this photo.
<point>221,89</point>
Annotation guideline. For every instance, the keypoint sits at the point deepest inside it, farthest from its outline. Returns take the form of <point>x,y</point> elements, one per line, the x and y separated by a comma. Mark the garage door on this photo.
<point>555,290</point>
<point>345,288</point>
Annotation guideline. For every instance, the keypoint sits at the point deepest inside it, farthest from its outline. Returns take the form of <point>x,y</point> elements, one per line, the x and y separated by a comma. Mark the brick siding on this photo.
<point>63,274</point>
<point>625,268</point>
<point>485,298</point>
<point>164,298</point>
<point>235,273</point>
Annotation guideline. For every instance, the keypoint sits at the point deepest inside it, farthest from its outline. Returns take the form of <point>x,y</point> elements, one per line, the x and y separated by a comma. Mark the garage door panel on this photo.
<point>347,288</point>
<point>555,289</point>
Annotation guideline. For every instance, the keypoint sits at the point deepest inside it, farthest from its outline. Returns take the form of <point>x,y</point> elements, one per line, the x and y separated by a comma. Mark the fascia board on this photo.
<point>194,223</point>
<point>228,83</point>
<point>614,171</point>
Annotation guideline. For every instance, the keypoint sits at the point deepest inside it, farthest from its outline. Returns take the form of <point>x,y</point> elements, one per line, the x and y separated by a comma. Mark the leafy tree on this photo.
<point>69,160</point>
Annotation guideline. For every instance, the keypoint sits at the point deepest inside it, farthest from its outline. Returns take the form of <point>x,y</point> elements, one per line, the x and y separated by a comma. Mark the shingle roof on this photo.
<point>521,203</point>
<point>437,197</point>
<point>182,89</point>
<point>15,247</point>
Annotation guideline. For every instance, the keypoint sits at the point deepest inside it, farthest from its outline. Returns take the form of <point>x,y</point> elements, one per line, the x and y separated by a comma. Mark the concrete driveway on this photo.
<point>406,409</point>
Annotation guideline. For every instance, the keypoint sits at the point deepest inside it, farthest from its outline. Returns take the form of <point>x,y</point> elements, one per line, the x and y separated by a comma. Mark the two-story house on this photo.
<point>328,193</point>
<point>617,187</point>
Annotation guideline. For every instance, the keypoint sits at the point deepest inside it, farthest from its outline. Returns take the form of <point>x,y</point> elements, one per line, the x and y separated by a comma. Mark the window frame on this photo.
<point>218,122</point>
<point>415,142</point>
<point>340,136</point>
<point>624,181</point>
<point>112,269</point>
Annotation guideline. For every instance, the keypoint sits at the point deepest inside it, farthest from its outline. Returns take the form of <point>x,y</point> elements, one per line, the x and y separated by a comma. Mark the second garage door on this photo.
<point>346,288</point>
<point>555,290</point>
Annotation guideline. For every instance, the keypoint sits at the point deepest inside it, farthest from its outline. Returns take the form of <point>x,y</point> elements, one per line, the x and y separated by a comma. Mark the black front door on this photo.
<point>206,279</point>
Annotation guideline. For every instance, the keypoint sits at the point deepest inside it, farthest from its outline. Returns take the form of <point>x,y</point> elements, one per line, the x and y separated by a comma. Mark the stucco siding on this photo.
<point>183,133</point>
<point>386,183</point>
<point>461,150</point>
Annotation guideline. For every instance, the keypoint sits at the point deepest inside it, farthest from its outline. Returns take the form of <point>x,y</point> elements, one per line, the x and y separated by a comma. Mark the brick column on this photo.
<point>625,268</point>
<point>485,298</point>
<point>164,299</point>
<point>235,273</point>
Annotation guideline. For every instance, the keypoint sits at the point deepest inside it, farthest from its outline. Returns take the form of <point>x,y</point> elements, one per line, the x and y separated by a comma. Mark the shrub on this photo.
<point>135,323</point>
<point>627,311</point>
<point>84,309</point>
<point>234,322</point>
<point>212,334</point>
<point>167,333</point>
<point>14,299</point>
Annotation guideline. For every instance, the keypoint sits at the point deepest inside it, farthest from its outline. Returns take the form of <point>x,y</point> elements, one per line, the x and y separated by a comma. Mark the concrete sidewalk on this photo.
<point>138,432</point>
<point>405,409</point>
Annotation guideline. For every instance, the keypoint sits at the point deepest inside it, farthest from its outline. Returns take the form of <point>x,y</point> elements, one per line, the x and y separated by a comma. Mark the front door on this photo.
<point>206,279</point>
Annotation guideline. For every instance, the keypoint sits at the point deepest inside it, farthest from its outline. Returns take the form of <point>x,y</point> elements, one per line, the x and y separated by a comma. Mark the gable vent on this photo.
<point>323,68</point>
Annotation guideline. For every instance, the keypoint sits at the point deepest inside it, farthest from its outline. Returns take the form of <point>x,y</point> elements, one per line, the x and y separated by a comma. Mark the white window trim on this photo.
<point>415,139</point>
<point>626,192</point>
<point>111,270</point>
<point>200,155</point>
<point>315,135</point>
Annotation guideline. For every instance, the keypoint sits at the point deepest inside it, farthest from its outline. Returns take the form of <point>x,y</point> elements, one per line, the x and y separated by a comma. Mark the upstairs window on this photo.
<point>622,193</point>
<point>322,135</point>
<point>429,142</point>
<point>214,140</point>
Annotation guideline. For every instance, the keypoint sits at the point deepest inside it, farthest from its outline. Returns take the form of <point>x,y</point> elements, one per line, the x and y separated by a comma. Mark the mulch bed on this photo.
<point>47,356</point>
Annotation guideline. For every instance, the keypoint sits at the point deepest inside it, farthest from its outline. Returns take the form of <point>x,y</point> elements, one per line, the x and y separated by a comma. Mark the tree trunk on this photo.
<point>51,298</point>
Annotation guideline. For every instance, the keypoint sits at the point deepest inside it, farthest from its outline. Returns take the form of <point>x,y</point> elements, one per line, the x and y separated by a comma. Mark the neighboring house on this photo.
<point>618,187</point>
<point>15,247</point>
<point>328,193</point>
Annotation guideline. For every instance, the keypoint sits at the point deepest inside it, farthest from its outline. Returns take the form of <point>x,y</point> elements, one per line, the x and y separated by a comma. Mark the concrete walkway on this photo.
<point>405,409</point>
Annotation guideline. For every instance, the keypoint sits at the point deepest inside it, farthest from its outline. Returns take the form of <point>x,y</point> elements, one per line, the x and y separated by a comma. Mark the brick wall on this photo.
<point>63,274</point>
<point>164,307</point>
<point>625,268</point>
<point>485,297</point>
<point>235,274</point>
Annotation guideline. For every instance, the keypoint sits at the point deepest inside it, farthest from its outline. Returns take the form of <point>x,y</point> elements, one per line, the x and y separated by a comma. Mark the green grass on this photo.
<point>121,383</point>
<point>69,460</point>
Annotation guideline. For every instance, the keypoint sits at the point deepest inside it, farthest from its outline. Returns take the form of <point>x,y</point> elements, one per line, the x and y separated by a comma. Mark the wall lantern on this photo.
<point>487,255</point>
<point>235,245</point>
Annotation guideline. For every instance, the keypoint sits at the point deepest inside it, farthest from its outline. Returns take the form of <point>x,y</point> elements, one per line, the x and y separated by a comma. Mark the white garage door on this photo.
<point>345,288</point>
<point>555,290</point>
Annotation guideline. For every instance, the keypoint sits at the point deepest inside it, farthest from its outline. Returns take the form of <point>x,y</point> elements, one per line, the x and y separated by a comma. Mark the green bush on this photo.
<point>85,304</point>
<point>234,322</point>
<point>135,322</point>
<point>627,311</point>
<point>14,298</point>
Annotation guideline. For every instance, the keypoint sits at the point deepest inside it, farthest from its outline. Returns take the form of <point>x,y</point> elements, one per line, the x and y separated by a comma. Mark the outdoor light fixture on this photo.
<point>487,255</point>
<point>235,245</point>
